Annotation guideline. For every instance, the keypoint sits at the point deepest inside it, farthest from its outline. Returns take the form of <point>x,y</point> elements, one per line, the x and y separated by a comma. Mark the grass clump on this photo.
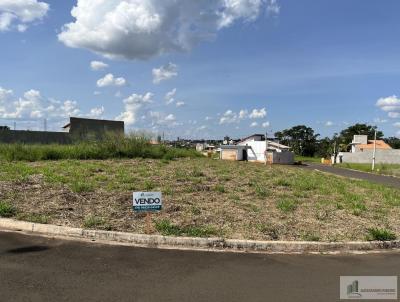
<point>34,217</point>
<point>376,234</point>
<point>92,222</point>
<point>166,228</point>
<point>286,205</point>
<point>81,187</point>
<point>7,209</point>
<point>219,188</point>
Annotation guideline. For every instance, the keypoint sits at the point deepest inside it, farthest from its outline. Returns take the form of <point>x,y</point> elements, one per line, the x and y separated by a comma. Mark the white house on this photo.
<point>256,148</point>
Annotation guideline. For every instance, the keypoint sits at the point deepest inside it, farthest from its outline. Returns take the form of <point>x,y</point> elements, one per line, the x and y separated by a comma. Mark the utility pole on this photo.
<point>15,125</point>
<point>45,125</point>
<point>374,154</point>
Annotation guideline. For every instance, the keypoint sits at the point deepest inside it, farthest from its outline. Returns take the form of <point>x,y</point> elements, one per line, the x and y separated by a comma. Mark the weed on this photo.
<point>34,217</point>
<point>7,209</point>
<point>149,185</point>
<point>219,188</point>
<point>380,235</point>
<point>286,205</point>
<point>95,222</point>
<point>81,186</point>
<point>310,237</point>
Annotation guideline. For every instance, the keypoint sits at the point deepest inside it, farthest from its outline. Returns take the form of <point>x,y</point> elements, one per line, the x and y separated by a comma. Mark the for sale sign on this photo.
<point>147,201</point>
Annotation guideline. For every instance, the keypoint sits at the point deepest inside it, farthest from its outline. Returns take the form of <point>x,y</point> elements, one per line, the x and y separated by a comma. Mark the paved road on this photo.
<point>381,179</point>
<point>42,269</point>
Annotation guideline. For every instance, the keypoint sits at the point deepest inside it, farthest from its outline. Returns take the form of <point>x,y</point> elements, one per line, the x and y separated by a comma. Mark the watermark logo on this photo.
<point>352,290</point>
<point>368,287</point>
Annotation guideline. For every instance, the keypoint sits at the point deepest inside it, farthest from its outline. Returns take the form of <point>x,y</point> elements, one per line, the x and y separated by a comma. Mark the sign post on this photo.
<point>147,202</point>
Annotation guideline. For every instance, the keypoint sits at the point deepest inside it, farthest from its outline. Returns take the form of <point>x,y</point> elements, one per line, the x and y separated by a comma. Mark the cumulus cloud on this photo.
<point>110,80</point>
<point>261,113</point>
<point>329,124</point>
<point>96,112</point>
<point>397,125</point>
<point>273,7</point>
<point>140,29</point>
<point>228,117</point>
<point>265,124</point>
<point>380,121</point>
<point>17,14</point>
<point>243,114</point>
<point>32,105</point>
<point>180,104</point>
<point>389,104</point>
<point>161,119</point>
<point>169,96</point>
<point>133,104</point>
<point>254,124</point>
<point>98,65</point>
<point>165,72</point>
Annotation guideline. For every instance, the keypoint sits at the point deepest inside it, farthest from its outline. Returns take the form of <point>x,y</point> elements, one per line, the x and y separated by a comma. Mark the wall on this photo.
<point>382,157</point>
<point>34,137</point>
<point>282,158</point>
<point>256,153</point>
<point>229,154</point>
<point>84,128</point>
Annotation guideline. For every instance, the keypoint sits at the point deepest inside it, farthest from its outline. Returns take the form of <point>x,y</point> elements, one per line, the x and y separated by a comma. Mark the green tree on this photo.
<point>394,142</point>
<point>346,135</point>
<point>301,139</point>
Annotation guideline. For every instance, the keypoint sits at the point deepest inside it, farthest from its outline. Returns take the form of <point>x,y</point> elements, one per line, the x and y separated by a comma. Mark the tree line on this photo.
<point>305,141</point>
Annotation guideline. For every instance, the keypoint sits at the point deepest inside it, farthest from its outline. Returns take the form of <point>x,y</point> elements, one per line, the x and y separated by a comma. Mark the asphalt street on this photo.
<point>381,179</point>
<point>42,269</point>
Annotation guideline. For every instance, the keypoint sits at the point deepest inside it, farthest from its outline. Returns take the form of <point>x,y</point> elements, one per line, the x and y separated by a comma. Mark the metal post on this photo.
<point>374,154</point>
<point>266,146</point>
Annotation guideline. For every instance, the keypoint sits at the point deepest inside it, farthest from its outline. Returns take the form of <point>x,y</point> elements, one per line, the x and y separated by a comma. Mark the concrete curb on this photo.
<point>215,244</point>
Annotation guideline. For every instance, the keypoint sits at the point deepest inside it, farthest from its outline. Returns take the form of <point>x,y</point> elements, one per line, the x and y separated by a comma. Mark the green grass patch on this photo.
<point>7,209</point>
<point>166,228</point>
<point>286,205</point>
<point>34,217</point>
<point>376,234</point>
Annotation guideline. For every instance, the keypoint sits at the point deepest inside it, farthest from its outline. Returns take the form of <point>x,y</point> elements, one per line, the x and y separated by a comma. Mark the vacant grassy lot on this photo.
<point>385,169</point>
<point>202,197</point>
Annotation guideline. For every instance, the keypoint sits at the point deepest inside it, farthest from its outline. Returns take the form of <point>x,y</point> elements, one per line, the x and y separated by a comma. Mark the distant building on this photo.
<point>93,128</point>
<point>78,129</point>
<point>361,143</point>
<point>257,148</point>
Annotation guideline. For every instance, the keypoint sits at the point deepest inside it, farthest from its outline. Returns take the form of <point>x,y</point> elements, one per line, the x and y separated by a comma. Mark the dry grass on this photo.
<point>202,197</point>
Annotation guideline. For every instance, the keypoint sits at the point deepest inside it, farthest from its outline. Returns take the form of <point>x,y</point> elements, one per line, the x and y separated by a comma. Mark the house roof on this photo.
<point>380,144</point>
<point>277,145</point>
<point>249,137</point>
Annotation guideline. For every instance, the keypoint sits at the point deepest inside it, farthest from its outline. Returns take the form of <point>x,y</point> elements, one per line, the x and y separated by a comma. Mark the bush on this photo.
<point>6,209</point>
<point>375,234</point>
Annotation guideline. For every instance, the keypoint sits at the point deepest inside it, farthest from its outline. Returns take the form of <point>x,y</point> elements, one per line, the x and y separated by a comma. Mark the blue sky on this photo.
<point>237,66</point>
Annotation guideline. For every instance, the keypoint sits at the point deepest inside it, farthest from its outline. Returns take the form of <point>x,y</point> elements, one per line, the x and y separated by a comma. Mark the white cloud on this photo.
<point>228,117</point>
<point>133,104</point>
<point>254,124</point>
<point>170,117</point>
<point>273,7</point>
<point>394,114</point>
<point>21,13</point>
<point>110,80</point>
<point>134,29</point>
<point>32,105</point>
<point>169,96</point>
<point>397,125</point>
<point>243,114</point>
<point>165,72</point>
<point>202,127</point>
<point>391,103</point>
<point>96,112</point>
<point>180,104</point>
<point>329,124</point>
<point>96,92</point>
<point>265,124</point>
<point>98,65</point>
<point>162,119</point>
<point>208,118</point>
<point>261,113</point>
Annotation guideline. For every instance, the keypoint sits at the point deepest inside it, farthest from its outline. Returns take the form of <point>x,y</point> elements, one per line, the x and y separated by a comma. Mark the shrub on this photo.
<point>7,209</point>
<point>380,235</point>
